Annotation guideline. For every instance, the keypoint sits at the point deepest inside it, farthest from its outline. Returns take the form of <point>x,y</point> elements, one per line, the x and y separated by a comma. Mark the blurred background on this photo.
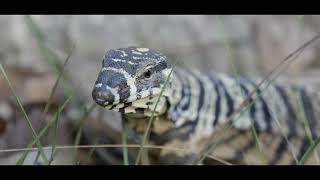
<point>33,50</point>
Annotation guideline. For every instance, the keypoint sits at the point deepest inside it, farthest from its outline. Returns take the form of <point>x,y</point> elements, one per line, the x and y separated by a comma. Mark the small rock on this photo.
<point>6,111</point>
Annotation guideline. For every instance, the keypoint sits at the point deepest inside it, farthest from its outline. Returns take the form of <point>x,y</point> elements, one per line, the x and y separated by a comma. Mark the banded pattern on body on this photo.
<point>194,108</point>
<point>280,111</point>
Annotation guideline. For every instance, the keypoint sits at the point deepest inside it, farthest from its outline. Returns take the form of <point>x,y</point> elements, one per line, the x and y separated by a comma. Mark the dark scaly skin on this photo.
<point>195,105</point>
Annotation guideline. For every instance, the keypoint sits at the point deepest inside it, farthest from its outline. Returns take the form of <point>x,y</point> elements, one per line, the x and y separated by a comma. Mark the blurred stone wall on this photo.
<point>253,44</point>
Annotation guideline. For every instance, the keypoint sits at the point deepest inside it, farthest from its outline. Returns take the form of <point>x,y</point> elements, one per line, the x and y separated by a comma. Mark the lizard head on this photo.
<point>130,79</point>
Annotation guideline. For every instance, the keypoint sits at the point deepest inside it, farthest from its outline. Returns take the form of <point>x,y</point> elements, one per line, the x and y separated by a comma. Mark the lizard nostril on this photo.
<point>102,97</point>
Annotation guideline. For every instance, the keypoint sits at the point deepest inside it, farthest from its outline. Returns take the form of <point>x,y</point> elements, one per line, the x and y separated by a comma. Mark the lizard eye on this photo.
<point>147,74</point>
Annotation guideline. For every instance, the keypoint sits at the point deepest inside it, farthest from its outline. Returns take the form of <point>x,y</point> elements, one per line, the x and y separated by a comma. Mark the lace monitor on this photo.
<point>194,106</point>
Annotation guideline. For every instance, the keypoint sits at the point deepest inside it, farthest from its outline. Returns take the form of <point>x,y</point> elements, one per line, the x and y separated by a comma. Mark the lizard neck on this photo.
<point>138,121</point>
<point>157,104</point>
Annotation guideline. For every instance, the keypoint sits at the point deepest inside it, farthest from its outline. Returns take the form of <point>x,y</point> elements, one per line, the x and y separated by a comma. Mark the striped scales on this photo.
<point>193,109</point>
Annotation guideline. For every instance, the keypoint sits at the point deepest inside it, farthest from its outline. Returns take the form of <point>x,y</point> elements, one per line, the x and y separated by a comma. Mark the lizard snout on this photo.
<point>102,97</point>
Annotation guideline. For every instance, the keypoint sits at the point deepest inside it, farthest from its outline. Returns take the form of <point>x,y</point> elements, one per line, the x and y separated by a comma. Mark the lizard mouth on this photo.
<point>143,103</point>
<point>141,107</point>
<point>111,98</point>
<point>138,100</point>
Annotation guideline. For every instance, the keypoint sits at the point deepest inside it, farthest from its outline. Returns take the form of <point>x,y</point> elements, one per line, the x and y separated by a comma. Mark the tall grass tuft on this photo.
<point>34,134</point>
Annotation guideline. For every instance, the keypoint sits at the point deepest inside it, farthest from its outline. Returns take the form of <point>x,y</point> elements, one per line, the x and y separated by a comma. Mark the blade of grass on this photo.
<point>255,135</point>
<point>146,134</point>
<point>56,121</point>
<point>56,84</point>
<point>301,21</point>
<point>41,40</point>
<point>235,70</point>
<point>77,142</point>
<point>307,154</point>
<point>49,55</point>
<point>34,134</point>
<point>95,142</point>
<point>124,141</point>
<point>267,78</point>
<point>306,125</point>
<point>43,139</point>
<point>79,130</point>
<point>36,159</point>
<point>44,113</point>
<point>44,130</point>
<point>228,47</point>
<point>258,144</point>
<point>115,146</point>
<point>83,118</point>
